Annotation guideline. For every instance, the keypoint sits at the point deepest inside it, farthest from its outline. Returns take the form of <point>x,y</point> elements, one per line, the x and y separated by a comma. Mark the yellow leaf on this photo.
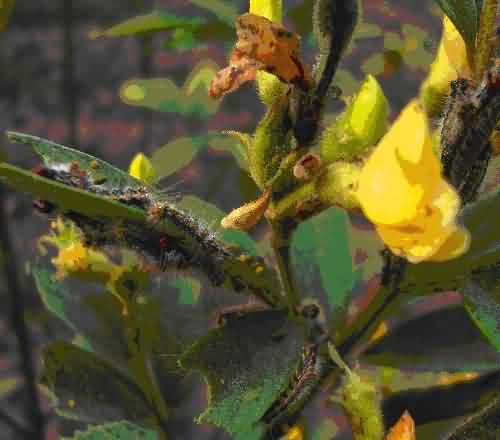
<point>142,169</point>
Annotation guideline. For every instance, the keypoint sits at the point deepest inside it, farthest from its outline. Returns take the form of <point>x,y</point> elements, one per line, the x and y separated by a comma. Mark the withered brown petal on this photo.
<point>262,45</point>
<point>248,215</point>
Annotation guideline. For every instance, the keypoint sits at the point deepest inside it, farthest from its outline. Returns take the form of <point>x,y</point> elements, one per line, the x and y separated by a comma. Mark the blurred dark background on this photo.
<point>57,83</point>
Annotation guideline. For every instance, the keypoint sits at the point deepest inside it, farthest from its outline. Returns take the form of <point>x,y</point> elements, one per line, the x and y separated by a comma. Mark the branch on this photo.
<point>19,326</point>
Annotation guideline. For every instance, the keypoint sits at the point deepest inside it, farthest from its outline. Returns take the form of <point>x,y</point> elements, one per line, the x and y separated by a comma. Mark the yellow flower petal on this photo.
<point>403,171</point>
<point>456,244</point>
<point>271,9</point>
<point>450,63</point>
<point>424,235</point>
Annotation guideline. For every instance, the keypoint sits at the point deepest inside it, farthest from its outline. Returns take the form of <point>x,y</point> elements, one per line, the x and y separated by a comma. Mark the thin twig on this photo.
<point>19,326</point>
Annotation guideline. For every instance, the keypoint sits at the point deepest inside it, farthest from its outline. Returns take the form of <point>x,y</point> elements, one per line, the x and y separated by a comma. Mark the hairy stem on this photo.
<point>25,345</point>
<point>280,241</point>
<point>485,37</point>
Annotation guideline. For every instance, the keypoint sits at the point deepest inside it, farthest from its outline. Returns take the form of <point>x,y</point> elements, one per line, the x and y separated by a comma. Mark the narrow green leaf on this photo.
<point>153,22</point>
<point>122,430</point>
<point>483,306</point>
<point>163,95</point>
<point>465,16</point>
<point>68,198</point>
<point>89,389</point>
<point>223,9</point>
<point>176,154</point>
<point>247,362</point>
<point>52,153</point>
<point>444,340</point>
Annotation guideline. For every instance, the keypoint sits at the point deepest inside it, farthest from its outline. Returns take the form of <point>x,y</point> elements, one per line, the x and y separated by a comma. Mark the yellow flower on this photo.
<point>402,192</point>
<point>296,432</point>
<point>450,63</point>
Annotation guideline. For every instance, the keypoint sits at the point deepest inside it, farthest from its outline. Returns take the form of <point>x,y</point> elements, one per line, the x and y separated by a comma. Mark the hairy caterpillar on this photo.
<point>312,369</point>
<point>170,237</point>
<point>470,116</point>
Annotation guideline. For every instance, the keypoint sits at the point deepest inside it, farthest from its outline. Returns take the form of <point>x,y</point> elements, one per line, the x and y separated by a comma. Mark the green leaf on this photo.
<point>444,340</point>
<point>90,389</point>
<point>66,197</point>
<point>320,250</point>
<point>153,22</point>
<point>52,153</point>
<point>163,94</point>
<point>234,142</point>
<point>464,14</point>
<point>248,363</point>
<point>122,430</point>
<point>62,303</point>
<point>483,306</point>
<point>176,154</point>
<point>225,10</point>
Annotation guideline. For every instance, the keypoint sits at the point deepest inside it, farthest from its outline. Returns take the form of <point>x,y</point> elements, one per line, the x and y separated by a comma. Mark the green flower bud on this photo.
<point>270,144</point>
<point>359,127</point>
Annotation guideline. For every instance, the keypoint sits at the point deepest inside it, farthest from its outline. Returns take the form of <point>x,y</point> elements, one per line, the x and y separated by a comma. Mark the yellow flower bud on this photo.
<point>360,126</point>
<point>141,168</point>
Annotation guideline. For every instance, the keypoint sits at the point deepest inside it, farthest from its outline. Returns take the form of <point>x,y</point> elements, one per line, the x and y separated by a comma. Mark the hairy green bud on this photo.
<point>359,127</point>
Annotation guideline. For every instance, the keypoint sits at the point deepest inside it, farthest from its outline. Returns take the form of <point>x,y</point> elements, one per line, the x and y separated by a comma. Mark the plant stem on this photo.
<point>387,298</point>
<point>485,37</point>
<point>19,326</point>
<point>280,241</point>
